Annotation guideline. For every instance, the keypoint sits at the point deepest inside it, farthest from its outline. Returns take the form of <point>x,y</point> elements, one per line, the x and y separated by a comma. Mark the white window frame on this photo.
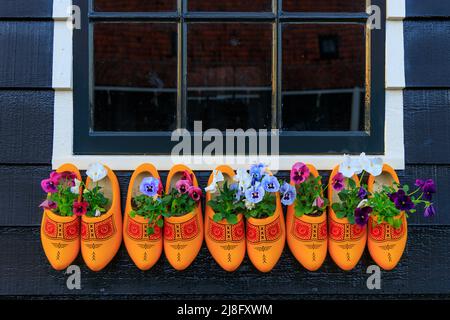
<point>64,109</point>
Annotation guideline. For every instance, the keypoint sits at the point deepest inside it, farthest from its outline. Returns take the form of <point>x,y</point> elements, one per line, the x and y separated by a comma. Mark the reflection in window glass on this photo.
<point>229,75</point>
<point>135,5</point>
<point>230,5</point>
<point>325,5</point>
<point>135,76</point>
<point>323,77</point>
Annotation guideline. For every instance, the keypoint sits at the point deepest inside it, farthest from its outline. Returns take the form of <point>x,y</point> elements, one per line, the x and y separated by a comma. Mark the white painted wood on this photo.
<point>396,9</point>
<point>61,9</point>
<point>395,55</point>
<point>63,111</point>
<point>62,56</point>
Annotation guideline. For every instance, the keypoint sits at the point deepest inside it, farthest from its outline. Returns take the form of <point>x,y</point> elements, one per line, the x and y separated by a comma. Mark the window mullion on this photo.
<point>181,66</point>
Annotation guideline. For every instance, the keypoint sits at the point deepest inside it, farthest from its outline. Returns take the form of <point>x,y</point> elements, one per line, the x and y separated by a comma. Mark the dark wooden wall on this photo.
<point>26,125</point>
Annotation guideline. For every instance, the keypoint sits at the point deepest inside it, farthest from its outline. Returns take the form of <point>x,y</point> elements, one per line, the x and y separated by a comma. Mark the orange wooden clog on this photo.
<point>101,236</point>
<point>183,236</point>
<point>60,236</point>
<point>266,238</point>
<point>225,241</point>
<point>346,241</point>
<point>386,244</point>
<point>145,250</point>
<point>307,235</point>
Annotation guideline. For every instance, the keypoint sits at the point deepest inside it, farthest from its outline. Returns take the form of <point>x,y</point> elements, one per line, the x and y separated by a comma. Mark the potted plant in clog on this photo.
<point>224,221</point>
<point>265,236</point>
<point>60,227</point>
<point>101,221</point>
<point>183,222</point>
<point>306,219</point>
<point>392,204</point>
<point>348,214</point>
<point>143,218</point>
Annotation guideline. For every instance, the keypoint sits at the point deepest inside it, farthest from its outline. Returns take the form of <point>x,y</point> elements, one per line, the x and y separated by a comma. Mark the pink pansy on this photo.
<point>49,185</point>
<point>318,202</point>
<point>187,176</point>
<point>299,173</point>
<point>48,204</point>
<point>80,208</point>
<point>183,186</point>
<point>195,193</point>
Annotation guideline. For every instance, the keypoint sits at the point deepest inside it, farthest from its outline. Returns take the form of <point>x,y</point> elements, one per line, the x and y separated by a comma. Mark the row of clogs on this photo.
<point>310,238</point>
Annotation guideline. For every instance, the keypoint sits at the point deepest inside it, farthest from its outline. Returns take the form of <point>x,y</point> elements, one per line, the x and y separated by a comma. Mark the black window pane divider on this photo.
<point>86,141</point>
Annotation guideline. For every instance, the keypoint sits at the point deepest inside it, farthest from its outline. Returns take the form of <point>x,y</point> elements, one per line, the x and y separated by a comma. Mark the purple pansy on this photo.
<point>318,202</point>
<point>402,201</point>
<point>430,211</point>
<point>284,187</point>
<point>255,194</point>
<point>270,183</point>
<point>149,186</point>
<point>299,173</point>
<point>428,188</point>
<point>49,185</point>
<point>362,193</point>
<point>238,190</point>
<point>183,186</point>
<point>338,182</point>
<point>362,215</point>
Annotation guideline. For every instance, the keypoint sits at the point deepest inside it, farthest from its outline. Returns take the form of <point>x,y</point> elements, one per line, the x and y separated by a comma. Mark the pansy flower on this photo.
<point>362,193</point>
<point>270,183</point>
<point>288,196</point>
<point>299,173</point>
<point>257,171</point>
<point>195,193</point>
<point>338,182</point>
<point>149,186</point>
<point>402,201</point>
<point>255,194</point>
<point>96,172</point>
<point>188,177</point>
<point>428,188</point>
<point>80,208</point>
<point>430,211</point>
<point>182,186</point>
<point>48,204</point>
<point>318,202</point>
<point>362,215</point>
<point>50,185</point>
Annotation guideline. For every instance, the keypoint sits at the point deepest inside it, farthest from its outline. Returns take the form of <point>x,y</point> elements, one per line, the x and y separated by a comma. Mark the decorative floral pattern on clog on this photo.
<point>309,231</point>
<point>138,231</point>
<point>181,231</point>
<point>384,231</point>
<point>226,232</point>
<point>101,230</point>
<point>67,231</point>
<point>264,233</point>
<point>345,231</point>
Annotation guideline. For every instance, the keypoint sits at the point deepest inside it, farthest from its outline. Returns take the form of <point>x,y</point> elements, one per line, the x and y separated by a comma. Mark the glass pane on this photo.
<point>229,75</point>
<point>325,5</point>
<point>135,5</point>
<point>230,5</point>
<point>135,76</point>
<point>324,77</point>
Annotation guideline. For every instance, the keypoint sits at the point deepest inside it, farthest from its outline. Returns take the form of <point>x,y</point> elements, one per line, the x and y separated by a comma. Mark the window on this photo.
<point>312,69</point>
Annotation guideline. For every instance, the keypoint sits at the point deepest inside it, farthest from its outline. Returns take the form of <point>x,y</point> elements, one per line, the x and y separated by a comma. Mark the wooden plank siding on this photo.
<point>26,127</point>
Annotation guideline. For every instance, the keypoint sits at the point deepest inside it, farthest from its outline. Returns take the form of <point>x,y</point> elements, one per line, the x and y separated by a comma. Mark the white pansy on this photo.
<point>76,188</point>
<point>217,177</point>
<point>96,172</point>
<point>374,166</point>
<point>98,213</point>
<point>249,205</point>
<point>363,203</point>
<point>243,178</point>
<point>350,166</point>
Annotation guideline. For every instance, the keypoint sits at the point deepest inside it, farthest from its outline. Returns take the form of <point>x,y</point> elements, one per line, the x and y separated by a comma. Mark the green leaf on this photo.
<point>217,217</point>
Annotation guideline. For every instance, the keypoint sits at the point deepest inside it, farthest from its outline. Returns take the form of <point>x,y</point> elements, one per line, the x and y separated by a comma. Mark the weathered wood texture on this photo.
<point>427,8</point>
<point>26,126</point>
<point>26,54</point>
<point>30,9</point>
<point>20,192</point>
<point>427,58</point>
<point>422,270</point>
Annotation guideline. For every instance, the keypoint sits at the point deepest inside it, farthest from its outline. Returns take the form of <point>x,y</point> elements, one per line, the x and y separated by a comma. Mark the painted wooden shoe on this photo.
<point>265,239</point>
<point>145,250</point>
<point>225,241</point>
<point>60,236</point>
<point>101,236</point>
<point>386,244</point>
<point>183,236</point>
<point>307,235</point>
<point>346,241</point>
